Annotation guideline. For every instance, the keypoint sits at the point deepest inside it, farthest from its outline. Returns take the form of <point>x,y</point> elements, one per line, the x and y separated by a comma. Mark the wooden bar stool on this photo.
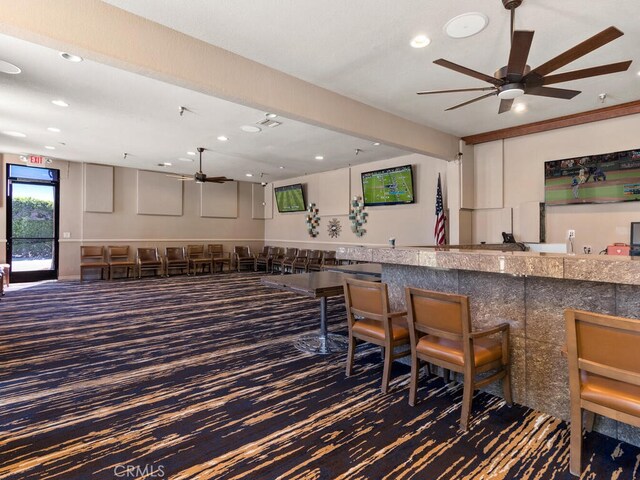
<point>440,333</point>
<point>604,372</point>
<point>370,320</point>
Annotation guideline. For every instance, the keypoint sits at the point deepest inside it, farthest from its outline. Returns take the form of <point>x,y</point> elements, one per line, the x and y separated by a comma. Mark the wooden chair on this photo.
<point>148,258</point>
<point>314,261</point>
<point>299,262</point>
<point>604,372</point>
<point>175,258</point>
<point>370,320</point>
<point>92,258</point>
<point>242,256</point>
<point>440,333</point>
<point>197,257</point>
<point>278,255</point>
<point>264,258</point>
<point>118,257</point>
<point>5,268</point>
<point>287,259</point>
<point>329,258</point>
<point>218,257</point>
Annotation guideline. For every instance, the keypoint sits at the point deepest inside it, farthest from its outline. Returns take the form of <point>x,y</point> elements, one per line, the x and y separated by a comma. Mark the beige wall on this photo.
<point>409,224</point>
<point>523,174</point>
<point>125,226</point>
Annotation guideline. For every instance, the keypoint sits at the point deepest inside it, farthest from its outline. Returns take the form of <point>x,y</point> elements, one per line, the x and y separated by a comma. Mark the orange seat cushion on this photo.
<point>486,350</point>
<point>610,393</point>
<point>375,329</point>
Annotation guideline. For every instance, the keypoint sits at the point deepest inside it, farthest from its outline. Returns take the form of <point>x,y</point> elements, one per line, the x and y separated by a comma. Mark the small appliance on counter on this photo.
<point>618,249</point>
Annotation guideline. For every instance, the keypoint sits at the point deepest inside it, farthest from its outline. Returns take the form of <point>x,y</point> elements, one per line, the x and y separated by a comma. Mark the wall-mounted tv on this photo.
<point>389,186</point>
<point>290,198</point>
<point>606,178</point>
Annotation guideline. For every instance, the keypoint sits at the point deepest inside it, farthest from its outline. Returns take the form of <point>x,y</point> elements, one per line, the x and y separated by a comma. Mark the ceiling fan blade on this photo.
<point>180,177</point>
<point>589,45</point>
<point>520,46</point>
<point>552,92</point>
<point>587,72</point>
<point>505,105</point>
<point>471,101</point>
<point>478,89</point>
<point>467,71</point>
<point>218,179</point>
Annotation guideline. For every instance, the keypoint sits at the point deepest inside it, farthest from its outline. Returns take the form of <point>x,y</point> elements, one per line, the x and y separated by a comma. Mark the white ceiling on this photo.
<point>358,48</point>
<point>113,111</point>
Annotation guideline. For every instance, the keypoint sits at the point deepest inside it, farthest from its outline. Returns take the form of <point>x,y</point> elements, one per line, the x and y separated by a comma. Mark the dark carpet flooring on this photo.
<point>197,378</point>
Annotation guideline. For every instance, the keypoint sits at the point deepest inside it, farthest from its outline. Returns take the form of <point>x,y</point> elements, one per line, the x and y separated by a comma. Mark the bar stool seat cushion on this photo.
<point>486,350</point>
<point>607,392</point>
<point>374,329</point>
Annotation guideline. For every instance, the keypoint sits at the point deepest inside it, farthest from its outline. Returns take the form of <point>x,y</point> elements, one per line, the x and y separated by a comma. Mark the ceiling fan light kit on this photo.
<point>517,78</point>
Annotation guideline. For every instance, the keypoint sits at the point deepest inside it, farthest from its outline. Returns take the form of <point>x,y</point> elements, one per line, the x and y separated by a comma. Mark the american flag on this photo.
<point>438,231</point>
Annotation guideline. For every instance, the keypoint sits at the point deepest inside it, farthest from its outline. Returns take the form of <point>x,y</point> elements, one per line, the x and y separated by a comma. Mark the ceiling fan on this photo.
<point>517,78</point>
<point>201,177</point>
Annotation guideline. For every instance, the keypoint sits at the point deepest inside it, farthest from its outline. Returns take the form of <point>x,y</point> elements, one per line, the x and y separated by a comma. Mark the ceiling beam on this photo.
<point>106,34</point>
<point>605,113</point>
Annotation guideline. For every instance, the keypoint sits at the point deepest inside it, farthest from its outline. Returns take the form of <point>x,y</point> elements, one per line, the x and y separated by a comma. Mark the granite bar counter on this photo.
<point>530,291</point>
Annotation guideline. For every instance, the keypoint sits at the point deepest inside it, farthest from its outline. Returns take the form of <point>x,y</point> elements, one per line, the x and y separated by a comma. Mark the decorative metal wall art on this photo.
<point>358,216</point>
<point>334,228</point>
<point>312,220</point>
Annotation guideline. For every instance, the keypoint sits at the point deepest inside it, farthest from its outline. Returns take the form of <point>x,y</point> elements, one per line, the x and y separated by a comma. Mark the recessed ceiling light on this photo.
<point>222,138</point>
<point>376,144</point>
<point>250,129</point>
<point>319,157</point>
<point>49,147</point>
<point>271,115</point>
<point>191,153</point>
<point>281,167</point>
<point>71,57</point>
<point>167,164</point>
<point>60,103</point>
<point>15,134</point>
<point>182,159</point>
<point>10,68</point>
<point>520,107</point>
<point>249,174</point>
<point>420,41</point>
<point>466,25</point>
<point>53,129</point>
<point>638,72</point>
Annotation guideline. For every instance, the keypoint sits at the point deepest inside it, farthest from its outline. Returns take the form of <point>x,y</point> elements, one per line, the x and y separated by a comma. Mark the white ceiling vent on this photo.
<point>267,122</point>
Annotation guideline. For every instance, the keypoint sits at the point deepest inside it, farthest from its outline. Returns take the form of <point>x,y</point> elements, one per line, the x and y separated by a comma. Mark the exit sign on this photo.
<point>37,160</point>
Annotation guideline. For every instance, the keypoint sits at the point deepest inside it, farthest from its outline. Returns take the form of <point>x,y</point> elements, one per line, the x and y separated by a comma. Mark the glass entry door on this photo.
<point>32,223</point>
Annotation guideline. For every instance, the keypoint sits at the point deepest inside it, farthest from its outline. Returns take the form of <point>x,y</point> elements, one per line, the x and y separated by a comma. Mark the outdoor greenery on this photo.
<point>32,218</point>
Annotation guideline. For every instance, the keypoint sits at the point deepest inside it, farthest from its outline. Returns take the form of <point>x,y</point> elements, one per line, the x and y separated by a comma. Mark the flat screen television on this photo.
<point>290,198</point>
<point>389,186</point>
<point>606,178</point>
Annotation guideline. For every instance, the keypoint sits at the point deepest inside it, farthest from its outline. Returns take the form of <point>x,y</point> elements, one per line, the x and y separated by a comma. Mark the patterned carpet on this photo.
<point>196,378</point>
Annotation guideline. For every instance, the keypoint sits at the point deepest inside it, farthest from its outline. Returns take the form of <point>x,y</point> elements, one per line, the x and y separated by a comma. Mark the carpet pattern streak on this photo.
<point>197,378</point>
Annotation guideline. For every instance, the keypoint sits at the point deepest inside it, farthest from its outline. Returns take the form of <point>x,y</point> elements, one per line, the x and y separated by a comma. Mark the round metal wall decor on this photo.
<point>312,220</point>
<point>334,228</point>
<point>358,216</point>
